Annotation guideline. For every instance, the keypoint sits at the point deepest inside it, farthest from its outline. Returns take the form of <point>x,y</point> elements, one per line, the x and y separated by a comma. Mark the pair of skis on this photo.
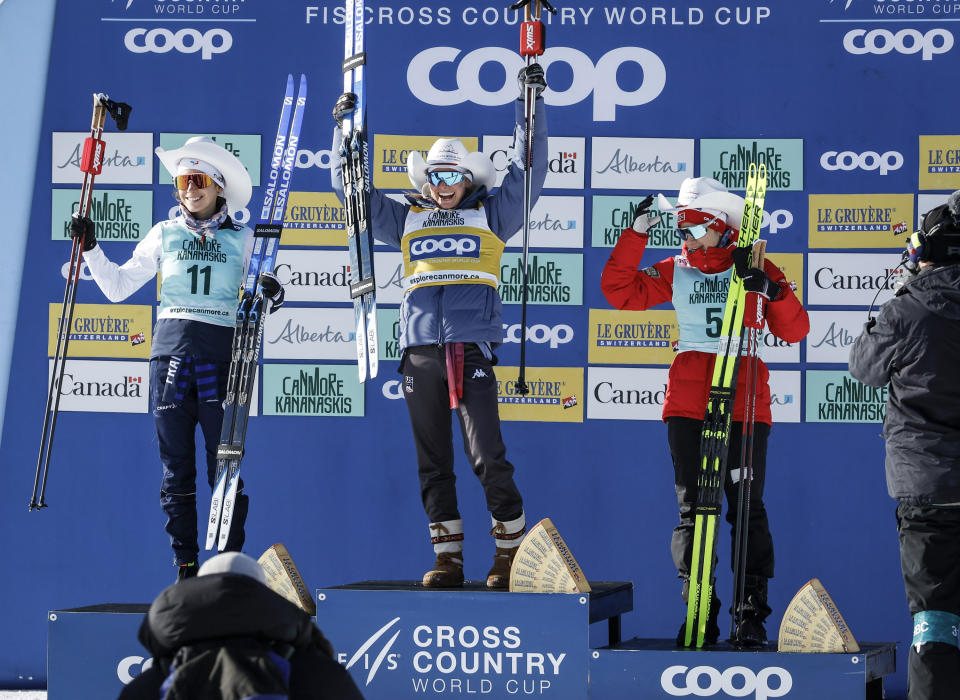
<point>532,45</point>
<point>355,173</point>
<point>248,331</point>
<point>91,164</point>
<point>717,423</point>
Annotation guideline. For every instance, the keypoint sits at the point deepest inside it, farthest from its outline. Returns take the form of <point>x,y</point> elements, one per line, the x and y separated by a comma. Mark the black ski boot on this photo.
<point>751,632</point>
<point>712,633</point>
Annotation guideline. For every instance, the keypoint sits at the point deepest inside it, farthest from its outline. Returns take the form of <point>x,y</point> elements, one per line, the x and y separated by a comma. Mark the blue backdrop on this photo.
<point>840,97</point>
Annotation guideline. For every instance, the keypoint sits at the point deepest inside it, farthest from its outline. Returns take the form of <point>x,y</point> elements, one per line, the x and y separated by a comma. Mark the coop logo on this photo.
<point>599,79</point>
<point>130,663</point>
<point>868,160</point>
<point>678,681</point>
<point>383,656</point>
<point>445,246</point>
<point>322,159</point>
<point>391,389</point>
<point>540,333</point>
<point>160,40</point>
<point>905,41</point>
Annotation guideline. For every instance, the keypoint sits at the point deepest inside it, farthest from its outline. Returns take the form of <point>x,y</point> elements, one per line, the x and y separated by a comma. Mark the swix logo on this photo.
<point>540,333</point>
<point>905,41</point>
<point>530,38</point>
<point>160,40</point>
<point>128,664</point>
<point>868,160</point>
<point>362,659</point>
<point>600,79</point>
<point>445,246</point>
<point>747,682</point>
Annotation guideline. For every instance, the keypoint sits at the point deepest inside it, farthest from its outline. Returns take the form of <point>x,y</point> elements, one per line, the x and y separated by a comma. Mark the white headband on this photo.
<point>185,164</point>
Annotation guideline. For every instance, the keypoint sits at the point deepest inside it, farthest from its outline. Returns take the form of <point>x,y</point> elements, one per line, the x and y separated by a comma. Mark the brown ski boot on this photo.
<point>447,539</point>
<point>507,536</point>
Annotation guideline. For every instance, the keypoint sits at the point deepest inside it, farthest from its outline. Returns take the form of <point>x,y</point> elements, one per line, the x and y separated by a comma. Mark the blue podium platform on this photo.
<point>400,640</point>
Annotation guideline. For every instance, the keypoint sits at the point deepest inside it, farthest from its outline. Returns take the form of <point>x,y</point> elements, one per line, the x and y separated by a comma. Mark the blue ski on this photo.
<point>248,332</point>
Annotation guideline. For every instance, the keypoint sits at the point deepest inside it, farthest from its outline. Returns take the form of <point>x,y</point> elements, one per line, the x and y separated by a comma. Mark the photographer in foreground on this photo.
<point>914,345</point>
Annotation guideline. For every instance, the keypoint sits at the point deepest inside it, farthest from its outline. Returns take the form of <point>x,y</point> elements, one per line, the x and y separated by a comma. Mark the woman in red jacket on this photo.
<point>696,282</point>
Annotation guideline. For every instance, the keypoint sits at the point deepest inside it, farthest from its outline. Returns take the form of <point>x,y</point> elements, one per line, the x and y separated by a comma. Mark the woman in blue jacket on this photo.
<point>452,237</point>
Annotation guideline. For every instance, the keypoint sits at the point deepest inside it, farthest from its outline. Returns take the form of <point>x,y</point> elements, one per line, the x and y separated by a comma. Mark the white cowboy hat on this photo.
<point>233,563</point>
<point>450,154</point>
<point>707,195</point>
<point>237,186</point>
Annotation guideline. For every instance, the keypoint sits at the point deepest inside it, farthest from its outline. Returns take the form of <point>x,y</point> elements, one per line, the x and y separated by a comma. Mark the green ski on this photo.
<point>717,423</point>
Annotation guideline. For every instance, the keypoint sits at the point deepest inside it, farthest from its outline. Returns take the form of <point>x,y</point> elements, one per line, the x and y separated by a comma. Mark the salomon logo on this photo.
<point>599,79</point>
<point>382,656</point>
<point>746,682</point>
<point>445,246</point>
<point>868,160</point>
<point>128,664</point>
<point>906,41</point>
<point>214,41</point>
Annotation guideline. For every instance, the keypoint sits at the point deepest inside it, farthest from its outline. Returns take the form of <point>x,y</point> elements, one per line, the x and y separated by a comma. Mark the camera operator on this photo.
<point>914,344</point>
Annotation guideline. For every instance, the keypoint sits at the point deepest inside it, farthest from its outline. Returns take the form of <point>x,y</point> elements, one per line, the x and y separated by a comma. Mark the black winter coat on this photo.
<point>236,609</point>
<point>915,346</point>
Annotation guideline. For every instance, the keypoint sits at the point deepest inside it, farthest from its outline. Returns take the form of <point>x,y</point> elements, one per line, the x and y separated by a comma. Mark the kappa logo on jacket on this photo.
<point>479,374</point>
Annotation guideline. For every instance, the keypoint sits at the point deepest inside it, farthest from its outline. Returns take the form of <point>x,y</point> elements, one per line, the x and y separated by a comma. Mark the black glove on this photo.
<point>346,103</point>
<point>645,220</point>
<point>756,280</point>
<point>82,227</point>
<point>532,76</point>
<point>742,257</point>
<point>272,289</point>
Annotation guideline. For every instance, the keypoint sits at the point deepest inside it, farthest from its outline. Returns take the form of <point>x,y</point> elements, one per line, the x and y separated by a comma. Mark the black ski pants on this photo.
<point>683,435</point>
<point>425,391</point>
<point>930,559</point>
<point>176,425</point>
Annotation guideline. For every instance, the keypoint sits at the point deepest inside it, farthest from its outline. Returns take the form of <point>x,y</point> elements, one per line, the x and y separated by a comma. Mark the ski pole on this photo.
<point>532,44</point>
<point>754,329</point>
<point>91,164</point>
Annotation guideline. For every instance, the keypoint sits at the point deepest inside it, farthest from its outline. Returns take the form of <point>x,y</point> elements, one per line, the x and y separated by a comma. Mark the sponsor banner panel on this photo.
<point>565,159</point>
<point>785,396</point>
<point>310,334</point>
<point>105,330</point>
<point>552,336</point>
<point>632,337</point>
<point>612,214</point>
<point>626,393</point>
<point>640,164</point>
<point>390,154</point>
<point>851,279</point>
<point>555,222</point>
<point>324,275</point>
<point>791,264</point>
<point>105,387</point>
<point>777,351</point>
<point>859,220</point>
<point>832,334</point>
<point>555,396</point>
<point>119,215</point>
<point>939,162</point>
<point>833,396</point>
<point>552,278</point>
<point>728,160</point>
<point>311,390</point>
<point>127,158</point>
<point>388,333</point>
<point>246,147</point>
<point>313,219</point>
<point>440,644</point>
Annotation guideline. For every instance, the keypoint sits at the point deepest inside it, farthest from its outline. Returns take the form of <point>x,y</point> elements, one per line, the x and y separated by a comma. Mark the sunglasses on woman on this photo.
<point>447,177</point>
<point>199,180</point>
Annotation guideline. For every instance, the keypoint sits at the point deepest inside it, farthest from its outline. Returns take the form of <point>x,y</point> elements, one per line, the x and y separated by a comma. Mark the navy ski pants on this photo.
<point>176,424</point>
<point>425,391</point>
